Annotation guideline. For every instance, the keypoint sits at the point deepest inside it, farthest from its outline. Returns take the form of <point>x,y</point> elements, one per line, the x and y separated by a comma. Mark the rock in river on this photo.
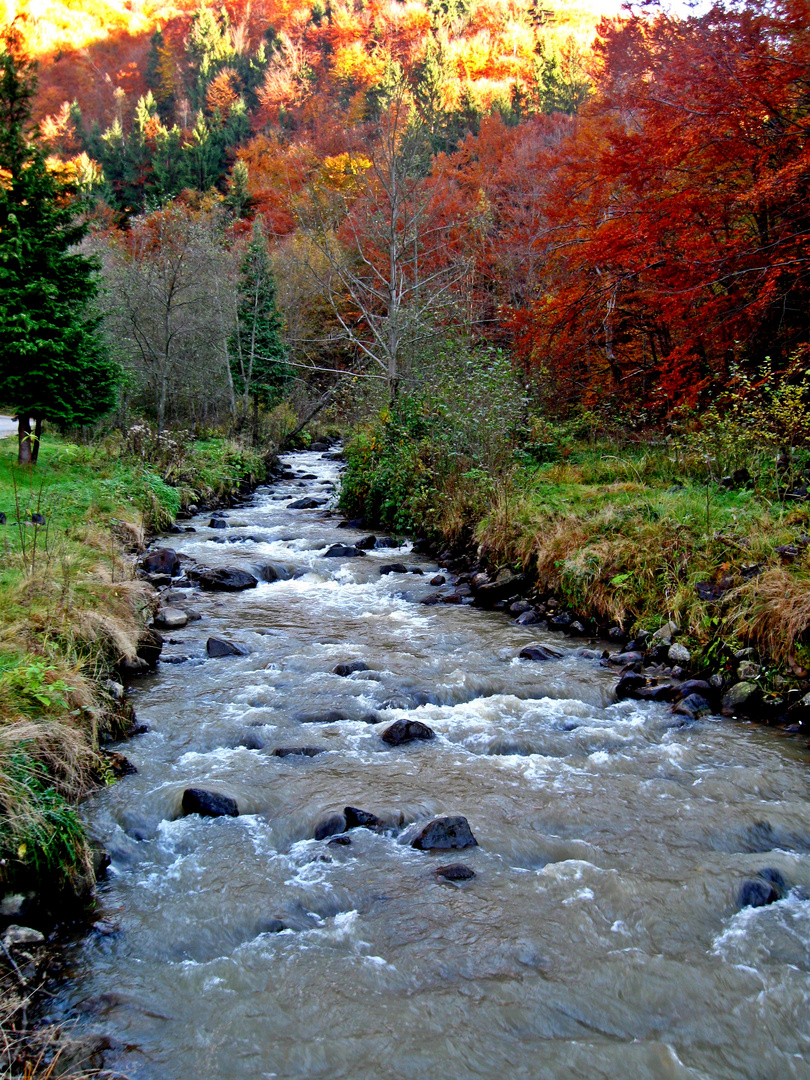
<point>445,833</point>
<point>224,579</point>
<point>306,504</point>
<point>540,652</point>
<point>209,803</point>
<point>216,647</point>
<point>343,551</point>
<point>171,618</point>
<point>298,751</point>
<point>405,731</point>
<point>350,667</point>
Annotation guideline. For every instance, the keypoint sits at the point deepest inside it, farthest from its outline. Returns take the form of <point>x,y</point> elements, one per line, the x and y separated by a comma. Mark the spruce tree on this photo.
<point>257,350</point>
<point>53,364</point>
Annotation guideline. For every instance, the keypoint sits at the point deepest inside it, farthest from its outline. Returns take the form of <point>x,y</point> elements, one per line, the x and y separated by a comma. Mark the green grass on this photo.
<point>70,608</point>
<point>620,531</point>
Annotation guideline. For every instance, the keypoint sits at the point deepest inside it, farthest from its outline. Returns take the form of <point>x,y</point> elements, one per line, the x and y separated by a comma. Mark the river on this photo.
<point>601,935</point>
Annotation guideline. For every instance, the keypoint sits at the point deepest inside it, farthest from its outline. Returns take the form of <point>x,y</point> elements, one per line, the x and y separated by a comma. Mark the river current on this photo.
<point>601,936</point>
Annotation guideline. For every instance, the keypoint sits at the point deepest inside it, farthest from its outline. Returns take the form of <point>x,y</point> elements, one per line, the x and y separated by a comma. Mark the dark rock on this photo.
<point>350,667</point>
<point>430,600</point>
<point>209,803</point>
<point>343,551</point>
<point>361,819</point>
<point>561,621</point>
<point>576,629</point>
<point>159,581</point>
<point>528,618</point>
<point>394,568</point>
<point>629,685</point>
<point>541,652</point>
<point>150,647</point>
<point>693,707</point>
<point>217,523</point>
<point>615,633</point>
<point>520,606</point>
<point>405,731</point>
<point>742,699</point>
<point>625,659</point>
<point>386,542</point>
<point>455,872</point>
<point>354,523</point>
<point>224,579</point>
<point>298,751</point>
<point>505,585</point>
<point>445,833</point>
<point>695,686</point>
<point>161,561</point>
<point>331,826</point>
<point>340,841</point>
<point>217,647</point>
<point>758,893</point>
<point>452,598</point>
<point>307,504</point>
<point>366,544</point>
<point>416,570</point>
<point>439,579</point>
<point>664,692</point>
<point>330,717</point>
<point>132,667</point>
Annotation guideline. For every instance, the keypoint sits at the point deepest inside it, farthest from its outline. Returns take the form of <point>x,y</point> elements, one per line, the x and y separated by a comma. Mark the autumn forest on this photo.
<point>622,205</point>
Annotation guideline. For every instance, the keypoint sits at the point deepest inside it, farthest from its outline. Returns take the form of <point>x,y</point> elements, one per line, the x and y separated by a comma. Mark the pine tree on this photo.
<point>257,350</point>
<point>53,364</point>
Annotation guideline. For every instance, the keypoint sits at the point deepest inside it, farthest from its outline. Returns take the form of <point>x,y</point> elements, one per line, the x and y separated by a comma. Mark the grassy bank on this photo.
<point>622,529</point>
<point>70,610</point>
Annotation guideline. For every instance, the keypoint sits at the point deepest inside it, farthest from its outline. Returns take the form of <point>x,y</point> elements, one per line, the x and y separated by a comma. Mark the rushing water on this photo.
<point>601,935</point>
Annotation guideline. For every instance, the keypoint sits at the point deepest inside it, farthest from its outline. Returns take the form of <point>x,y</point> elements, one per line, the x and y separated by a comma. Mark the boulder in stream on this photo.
<point>443,834</point>
<point>209,803</point>
<point>394,568</point>
<point>405,731</point>
<point>361,819</point>
<point>742,699</point>
<point>541,652</point>
<point>343,551</point>
<point>217,647</point>
<point>217,523</point>
<point>306,504</point>
<point>350,667</point>
<point>224,579</point>
<point>692,707</point>
<point>171,618</point>
<point>367,543</point>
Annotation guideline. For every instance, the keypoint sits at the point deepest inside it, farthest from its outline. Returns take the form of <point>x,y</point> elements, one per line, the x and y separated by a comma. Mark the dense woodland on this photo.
<point>626,216</point>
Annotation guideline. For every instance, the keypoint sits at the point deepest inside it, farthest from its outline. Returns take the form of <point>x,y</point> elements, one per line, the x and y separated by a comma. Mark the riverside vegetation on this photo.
<point>72,609</point>
<point>703,524</point>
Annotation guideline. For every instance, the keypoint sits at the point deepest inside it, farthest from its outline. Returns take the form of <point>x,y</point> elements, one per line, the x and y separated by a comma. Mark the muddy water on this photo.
<point>600,936</point>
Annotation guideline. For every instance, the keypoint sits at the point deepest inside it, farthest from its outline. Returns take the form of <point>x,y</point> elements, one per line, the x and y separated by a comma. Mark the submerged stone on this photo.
<point>350,667</point>
<point>541,652</point>
<point>455,872</point>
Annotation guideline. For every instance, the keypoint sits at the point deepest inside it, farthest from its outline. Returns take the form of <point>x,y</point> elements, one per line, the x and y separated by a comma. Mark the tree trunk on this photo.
<point>255,420</point>
<point>37,440</point>
<point>25,455</point>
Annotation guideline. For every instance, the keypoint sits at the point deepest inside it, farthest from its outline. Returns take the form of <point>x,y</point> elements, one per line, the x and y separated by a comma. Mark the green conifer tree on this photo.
<point>53,364</point>
<point>257,351</point>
